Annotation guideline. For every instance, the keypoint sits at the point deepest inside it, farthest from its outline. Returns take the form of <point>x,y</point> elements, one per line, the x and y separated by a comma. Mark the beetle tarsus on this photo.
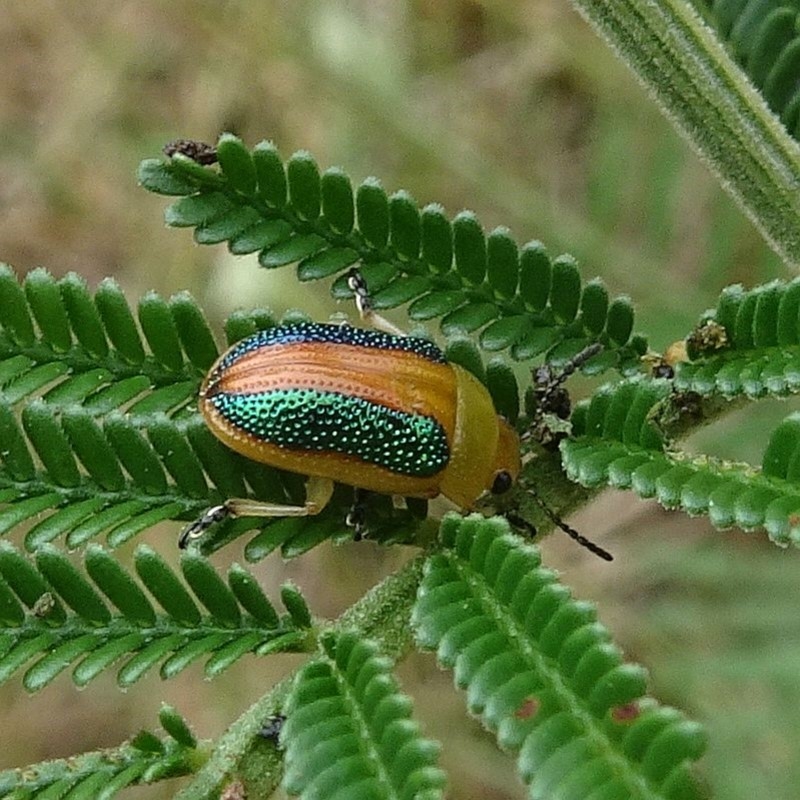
<point>358,286</point>
<point>357,515</point>
<point>211,517</point>
<point>366,309</point>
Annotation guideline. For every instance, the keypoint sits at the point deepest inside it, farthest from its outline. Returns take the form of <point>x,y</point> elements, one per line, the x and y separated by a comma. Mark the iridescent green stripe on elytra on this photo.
<point>306,419</point>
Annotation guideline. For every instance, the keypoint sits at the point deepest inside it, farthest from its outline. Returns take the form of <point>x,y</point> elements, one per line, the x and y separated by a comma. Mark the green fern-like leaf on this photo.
<point>520,300</point>
<point>98,425</point>
<point>116,474</point>
<point>71,363</point>
<point>101,775</point>
<point>59,615</point>
<point>760,353</point>
<point>55,334</point>
<point>619,443</point>
<point>764,37</point>
<point>349,731</point>
<point>543,675</point>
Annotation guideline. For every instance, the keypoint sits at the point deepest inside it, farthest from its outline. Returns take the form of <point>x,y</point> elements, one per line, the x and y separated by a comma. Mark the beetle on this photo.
<point>368,408</point>
<point>372,408</point>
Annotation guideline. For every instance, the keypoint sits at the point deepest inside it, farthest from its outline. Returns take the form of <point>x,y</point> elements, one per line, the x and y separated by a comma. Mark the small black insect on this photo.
<point>661,368</point>
<point>271,729</point>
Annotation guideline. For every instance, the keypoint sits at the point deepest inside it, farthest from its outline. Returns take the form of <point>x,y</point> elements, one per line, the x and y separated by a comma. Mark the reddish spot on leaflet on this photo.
<point>234,791</point>
<point>626,713</point>
<point>528,708</point>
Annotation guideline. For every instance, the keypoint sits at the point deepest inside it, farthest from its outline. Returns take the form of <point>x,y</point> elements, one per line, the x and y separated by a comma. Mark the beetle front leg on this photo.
<point>318,494</point>
<point>357,284</point>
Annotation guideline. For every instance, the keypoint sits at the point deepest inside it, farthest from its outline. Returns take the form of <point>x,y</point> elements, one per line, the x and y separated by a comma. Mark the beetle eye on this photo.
<point>502,482</point>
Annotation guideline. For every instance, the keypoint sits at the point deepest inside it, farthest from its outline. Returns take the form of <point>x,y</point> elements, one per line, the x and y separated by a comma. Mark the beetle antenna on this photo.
<point>583,541</point>
<point>578,360</point>
<point>547,382</point>
<point>572,533</point>
<point>551,401</point>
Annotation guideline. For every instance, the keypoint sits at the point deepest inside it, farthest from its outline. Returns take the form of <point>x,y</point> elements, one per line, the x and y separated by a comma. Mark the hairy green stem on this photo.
<point>241,755</point>
<point>714,105</point>
<point>110,762</point>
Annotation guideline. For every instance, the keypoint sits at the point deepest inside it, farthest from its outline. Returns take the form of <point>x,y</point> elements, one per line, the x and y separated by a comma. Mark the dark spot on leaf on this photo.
<point>200,152</point>
<point>233,791</point>
<point>528,708</point>
<point>44,604</point>
<point>625,713</point>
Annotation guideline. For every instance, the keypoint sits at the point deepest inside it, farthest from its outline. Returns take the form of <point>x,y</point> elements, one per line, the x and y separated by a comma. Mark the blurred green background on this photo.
<point>512,109</point>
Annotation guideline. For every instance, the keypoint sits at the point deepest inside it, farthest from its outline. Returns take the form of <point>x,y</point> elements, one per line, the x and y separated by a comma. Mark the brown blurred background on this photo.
<point>512,109</point>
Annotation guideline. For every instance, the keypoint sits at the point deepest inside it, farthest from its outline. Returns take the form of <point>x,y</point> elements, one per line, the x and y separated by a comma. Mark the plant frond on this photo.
<point>60,341</point>
<point>60,615</point>
<point>349,730</point>
<point>617,442</point>
<point>98,425</point>
<point>520,300</point>
<point>765,39</point>
<point>543,675</point>
<point>758,354</point>
<point>380,615</point>
<point>116,475</point>
<point>293,536</point>
<point>102,774</point>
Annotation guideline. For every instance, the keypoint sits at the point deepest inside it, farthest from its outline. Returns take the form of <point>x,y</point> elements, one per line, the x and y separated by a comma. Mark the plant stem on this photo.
<point>383,614</point>
<point>713,104</point>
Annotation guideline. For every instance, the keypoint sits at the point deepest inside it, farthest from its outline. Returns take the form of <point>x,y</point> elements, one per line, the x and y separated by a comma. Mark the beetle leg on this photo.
<point>357,284</point>
<point>211,517</point>
<point>357,515</point>
<point>552,401</point>
<point>318,493</point>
